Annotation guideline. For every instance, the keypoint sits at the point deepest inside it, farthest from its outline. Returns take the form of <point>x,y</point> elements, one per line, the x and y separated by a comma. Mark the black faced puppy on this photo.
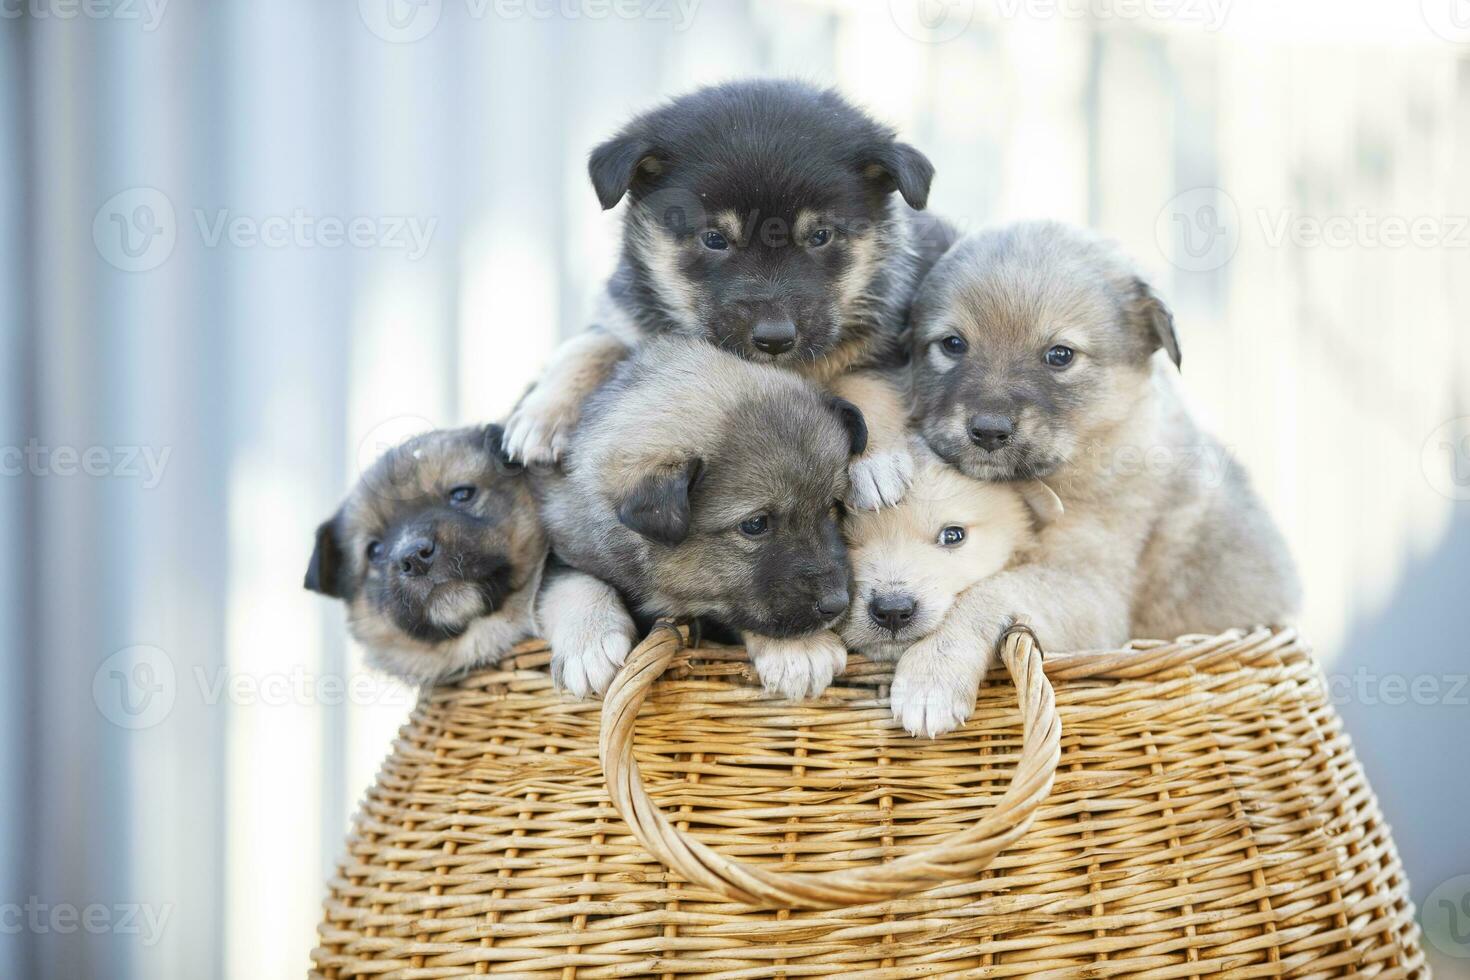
<point>437,553</point>
<point>701,484</point>
<point>761,216</point>
<point>1035,355</point>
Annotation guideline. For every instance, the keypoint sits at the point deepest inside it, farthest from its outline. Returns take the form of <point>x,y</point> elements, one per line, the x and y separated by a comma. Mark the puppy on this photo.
<point>760,217</point>
<point>912,561</point>
<point>700,484</point>
<point>438,553</point>
<point>1033,357</point>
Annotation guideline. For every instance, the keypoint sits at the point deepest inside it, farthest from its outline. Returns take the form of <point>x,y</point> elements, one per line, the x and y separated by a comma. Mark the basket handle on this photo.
<point>959,856</point>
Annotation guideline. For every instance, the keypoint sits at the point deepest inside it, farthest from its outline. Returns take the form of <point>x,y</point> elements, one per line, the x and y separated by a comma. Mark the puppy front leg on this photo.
<point>881,475</point>
<point>937,679</point>
<point>540,426</point>
<point>799,667</point>
<point>588,627</point>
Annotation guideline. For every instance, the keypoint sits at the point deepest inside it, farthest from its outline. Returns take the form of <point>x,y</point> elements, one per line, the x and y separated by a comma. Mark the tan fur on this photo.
<point>1179,546</point>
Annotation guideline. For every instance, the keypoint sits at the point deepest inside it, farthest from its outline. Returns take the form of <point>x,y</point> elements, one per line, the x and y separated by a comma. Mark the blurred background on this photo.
<point>247,244</point>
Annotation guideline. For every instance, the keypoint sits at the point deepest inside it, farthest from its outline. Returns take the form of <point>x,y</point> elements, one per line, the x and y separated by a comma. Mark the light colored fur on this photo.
<point>898,551</point>
<point>1161,535</point>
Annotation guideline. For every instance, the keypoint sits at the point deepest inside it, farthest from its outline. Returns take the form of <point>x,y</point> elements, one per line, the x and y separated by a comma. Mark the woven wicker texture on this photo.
<point>1207,818</point>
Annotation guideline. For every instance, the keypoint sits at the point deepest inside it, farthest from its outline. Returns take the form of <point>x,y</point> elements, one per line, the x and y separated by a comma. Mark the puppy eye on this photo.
<point>755,527</point>
<point>951,536</point>
<point>462,495</point>
<point>819,237</point>
<point>374,550</point>
<point>1059,356</point>
<point>714,240</point>
<point>954,344</point>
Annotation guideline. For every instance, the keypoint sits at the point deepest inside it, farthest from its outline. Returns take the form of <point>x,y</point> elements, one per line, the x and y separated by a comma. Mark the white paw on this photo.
<point>931,694</point>
<point>587,650</point>
<point>879,480</point>
<point>538,431</point>
<point>797,668</point>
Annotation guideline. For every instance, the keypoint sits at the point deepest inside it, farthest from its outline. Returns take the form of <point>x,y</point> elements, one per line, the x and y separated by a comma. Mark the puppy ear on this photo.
<point>852,420</point>
<point>493,437</point>
<point>898,166</point>
<point>615,164</point>
<point>1158,320</point>
<point>326,572</point>
<point>658,507</point>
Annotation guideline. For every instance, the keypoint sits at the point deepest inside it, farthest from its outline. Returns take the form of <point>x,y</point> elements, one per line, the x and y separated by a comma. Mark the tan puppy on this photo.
<point>912,561</point>
<point>1034,356</point>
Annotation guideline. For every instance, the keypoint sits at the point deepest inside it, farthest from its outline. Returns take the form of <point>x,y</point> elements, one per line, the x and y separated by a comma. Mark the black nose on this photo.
<point>891,610</point>
<point>774,336</point>
<point>833,603</point>
<point>991,432</point>
<point>415,556</point>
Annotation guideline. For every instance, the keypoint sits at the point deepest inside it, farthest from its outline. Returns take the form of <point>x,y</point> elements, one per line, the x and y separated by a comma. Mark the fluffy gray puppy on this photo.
<point>701,484</point>
<point>1034,358</point>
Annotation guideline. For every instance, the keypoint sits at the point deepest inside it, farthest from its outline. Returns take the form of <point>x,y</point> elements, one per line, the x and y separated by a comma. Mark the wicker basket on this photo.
<point>1186,809</point>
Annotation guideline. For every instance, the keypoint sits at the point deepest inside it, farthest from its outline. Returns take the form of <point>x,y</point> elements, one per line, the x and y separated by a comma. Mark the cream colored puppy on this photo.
<point>911,561</point>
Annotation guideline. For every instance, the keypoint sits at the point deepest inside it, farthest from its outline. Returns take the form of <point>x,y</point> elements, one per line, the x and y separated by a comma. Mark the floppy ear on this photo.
<point>493,436</point>
<point>615,164</point>
<point>324,573</point>
<point>852,420</point>
<point>898,166</point>
<point>658,507</point>
<point>1158,320</point>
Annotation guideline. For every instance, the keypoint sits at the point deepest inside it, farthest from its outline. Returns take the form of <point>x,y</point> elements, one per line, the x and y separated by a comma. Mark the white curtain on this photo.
<point>254,241</point>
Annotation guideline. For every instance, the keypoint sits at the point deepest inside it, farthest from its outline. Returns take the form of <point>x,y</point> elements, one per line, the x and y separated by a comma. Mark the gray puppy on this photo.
<point>701,484</point>
<point>1033,358</point>
<point>437,553</point>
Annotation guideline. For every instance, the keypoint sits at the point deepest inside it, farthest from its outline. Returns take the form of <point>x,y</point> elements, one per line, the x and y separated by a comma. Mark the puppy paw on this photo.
<point>588,648</point>
<point>879,480</point>
<point>931,693</point>
<point>797,668</point>
<point>538,431</point>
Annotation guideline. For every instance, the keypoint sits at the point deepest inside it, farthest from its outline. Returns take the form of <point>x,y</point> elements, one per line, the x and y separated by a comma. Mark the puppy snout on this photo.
<point>892,611</point>
<point>414,555</point>
<point>833,603</point>
<point>991,432</point>
<point>774,336</point>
